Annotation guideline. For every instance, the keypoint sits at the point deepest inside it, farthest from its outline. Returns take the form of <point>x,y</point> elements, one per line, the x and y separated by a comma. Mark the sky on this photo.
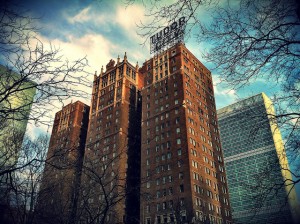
<point>105,29</point>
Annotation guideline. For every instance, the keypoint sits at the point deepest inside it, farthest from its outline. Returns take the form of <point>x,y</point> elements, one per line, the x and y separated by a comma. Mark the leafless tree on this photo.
<point>248,40</point>
<point>35,79</point>
<point>34,75</point>
<point>101,192</point>
<point>60,184</point>
<point>104,187</point>
<point>19,187</point>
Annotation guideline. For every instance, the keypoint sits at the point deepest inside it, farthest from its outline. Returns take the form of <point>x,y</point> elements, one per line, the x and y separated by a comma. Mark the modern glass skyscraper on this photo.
<point>256,163</point>
<point>16,97</point>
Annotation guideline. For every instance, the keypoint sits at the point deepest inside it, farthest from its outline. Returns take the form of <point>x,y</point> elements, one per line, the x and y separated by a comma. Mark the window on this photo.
<point>194,152</point>
<point>179,163</point>
<point>176,102</point>
<point>164,180</point>
<point>164,205</point>
<point>148,220</point>
<point>177,130</point>
<point>164,192</point>
<point>194,164</point>
<point>179,152</point>
<point>181,188</point>
<point>158,217</point>
<point>158,194</point>
<point>168,144</point>
<point>169,155</point>
<point>180,176</point>
<point>157,158</point>
<point>157,181</point>
<point>178,141</point>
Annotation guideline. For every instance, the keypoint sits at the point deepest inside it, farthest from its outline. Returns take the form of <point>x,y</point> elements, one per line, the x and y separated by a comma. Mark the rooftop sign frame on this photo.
<point>168,36</point>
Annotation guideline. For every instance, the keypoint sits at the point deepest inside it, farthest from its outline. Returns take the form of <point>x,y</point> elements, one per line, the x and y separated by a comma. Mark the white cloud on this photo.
<point>97,50</point>
<point>223,94</point>
<point>129,17</point>
<point>126,18</point>
<point>94,46</point>
<point>82,16</point>
<point>86,15</point>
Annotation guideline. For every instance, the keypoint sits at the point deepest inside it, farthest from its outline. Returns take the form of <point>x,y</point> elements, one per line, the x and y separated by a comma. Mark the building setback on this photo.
<point>58,196</point>
<point>182,176</point>
<point>112,161</point>
<point>256,163</point>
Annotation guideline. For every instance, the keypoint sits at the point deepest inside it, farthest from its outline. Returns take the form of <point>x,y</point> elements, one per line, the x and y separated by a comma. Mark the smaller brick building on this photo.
<point>57,200</point>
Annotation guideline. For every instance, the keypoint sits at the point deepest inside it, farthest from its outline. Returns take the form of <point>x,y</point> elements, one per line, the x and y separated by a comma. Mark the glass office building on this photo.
<point>256,164</point>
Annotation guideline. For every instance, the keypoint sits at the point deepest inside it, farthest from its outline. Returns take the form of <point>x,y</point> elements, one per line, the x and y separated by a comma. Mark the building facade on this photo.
<point>16,97</point>
<point>256,163</point>
<point>183,178</point>
<point>112,159</point>
<point>58,195</point>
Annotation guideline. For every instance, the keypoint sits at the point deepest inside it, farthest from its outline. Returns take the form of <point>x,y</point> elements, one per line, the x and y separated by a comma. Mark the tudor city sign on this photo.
<point>170,35</point>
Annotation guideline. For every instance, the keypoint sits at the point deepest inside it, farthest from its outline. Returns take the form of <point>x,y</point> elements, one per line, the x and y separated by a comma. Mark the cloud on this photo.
<point>129,17</point>
<point>87,15</point>
<point>96,49</point>
<point>82,16</point>
<point>117,20</point>
<point>224,95</point>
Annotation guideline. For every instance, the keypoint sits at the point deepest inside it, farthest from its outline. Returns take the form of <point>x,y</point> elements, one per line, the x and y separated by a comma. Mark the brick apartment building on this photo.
<point>112,158</point>
<point>182,175</point>
<point>153,153</point>
<point>58,196</point>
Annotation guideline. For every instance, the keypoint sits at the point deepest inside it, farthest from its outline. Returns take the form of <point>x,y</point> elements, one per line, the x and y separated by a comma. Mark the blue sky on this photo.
<point>104,29</point>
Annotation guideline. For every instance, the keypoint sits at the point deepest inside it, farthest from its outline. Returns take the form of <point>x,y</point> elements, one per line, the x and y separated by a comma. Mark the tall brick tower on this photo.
<point>58,196</point>
<point>182,176</point>
<point>112,159</point>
